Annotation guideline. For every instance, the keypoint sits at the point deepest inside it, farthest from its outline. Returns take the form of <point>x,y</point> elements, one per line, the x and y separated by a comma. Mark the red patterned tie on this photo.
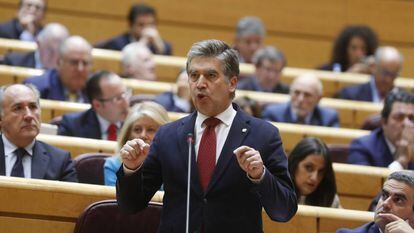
<point>206,160</point>
<point>112,132</point>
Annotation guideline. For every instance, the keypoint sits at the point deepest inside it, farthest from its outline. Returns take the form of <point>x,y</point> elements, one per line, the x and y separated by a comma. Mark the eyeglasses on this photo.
<point>118,98</point>
<point>27,5</point>
<point>74,62</point>
<point>401,116</point>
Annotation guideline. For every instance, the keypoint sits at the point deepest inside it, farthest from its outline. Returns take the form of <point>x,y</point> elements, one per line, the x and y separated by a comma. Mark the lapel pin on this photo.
<point>244,130</point>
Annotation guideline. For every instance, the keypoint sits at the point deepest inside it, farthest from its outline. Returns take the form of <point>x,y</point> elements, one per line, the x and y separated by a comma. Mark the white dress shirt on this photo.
<point>104,124</point>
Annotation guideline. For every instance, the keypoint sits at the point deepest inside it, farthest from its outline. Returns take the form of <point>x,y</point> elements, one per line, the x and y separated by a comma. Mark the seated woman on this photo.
<point>311,170</point>
<point>142,122</point>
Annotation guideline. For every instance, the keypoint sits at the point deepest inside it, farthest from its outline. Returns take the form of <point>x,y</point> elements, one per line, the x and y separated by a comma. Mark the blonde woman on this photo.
<point>142,122</point>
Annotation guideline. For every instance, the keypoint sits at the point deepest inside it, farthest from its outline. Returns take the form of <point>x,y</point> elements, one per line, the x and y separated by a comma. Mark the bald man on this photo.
<point>67,81</point>
<point>305,93</point>
<point>388,64</point>
<point>138,62</point>
<point>47,53</point>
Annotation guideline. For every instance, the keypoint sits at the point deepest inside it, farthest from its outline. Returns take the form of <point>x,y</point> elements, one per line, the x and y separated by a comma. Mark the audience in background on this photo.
<point>269,63</point>
<point>67,81</point>
<point>249,106</point>
<point>21,155</point>
<point>305,93</point>
<point>142,122</point>
<point>142,20</point>
<point>28,22</point>
<point>110,102</point>
<point>388,64</point>
<point>137,62</point>
<point>250,33</point>
<point>47,54</point>
<point>351,50</point>
<point>310,167</point>
<point>392,145</point>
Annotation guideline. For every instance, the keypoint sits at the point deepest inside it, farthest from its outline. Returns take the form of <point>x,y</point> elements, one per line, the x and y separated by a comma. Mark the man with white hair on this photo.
<point>305,93</point>
<point>388,64</point>
<point>250,33</point>
<point>137,62</point>
<point>47,53</point>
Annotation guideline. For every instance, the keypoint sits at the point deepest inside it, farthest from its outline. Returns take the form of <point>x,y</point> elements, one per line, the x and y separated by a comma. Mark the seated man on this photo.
<point>47,54</point>
<point>28,22</point>
<point>142,21</point>
<point>305,93</point>
<point>110,101</point>
<point>391,145</point>
<point>137,62</point>
<point>250,33</point>
<point>387,66</point>
<point>21,155</point>
<point>180,100</point>
<point>395,210</point>
<point>67,81</point>
<point>269,63</point>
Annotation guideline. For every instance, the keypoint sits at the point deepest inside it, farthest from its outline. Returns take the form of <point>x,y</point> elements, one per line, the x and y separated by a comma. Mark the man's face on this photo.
<point>141,22</point>
<point>74,67</point>
<point>304,97</point>
<point>143,66</point>
<point>268,73</point>
<point>385,73</point>
<point>20,122</point>
<point>114,103</point>
<point>33,9</point>
<point>49,52</point>
<point>210,89</point>
<point>399,118</point>
<point>397,198</point>
<point>247,45</point>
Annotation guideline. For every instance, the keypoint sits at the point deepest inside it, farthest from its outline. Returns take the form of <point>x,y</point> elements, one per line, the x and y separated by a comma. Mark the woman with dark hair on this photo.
<point>352,49</point>
<point>311,170</point>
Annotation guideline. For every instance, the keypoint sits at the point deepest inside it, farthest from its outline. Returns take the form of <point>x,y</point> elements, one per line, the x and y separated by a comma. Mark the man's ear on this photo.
<point>233,83</point>
<point>96,104</point>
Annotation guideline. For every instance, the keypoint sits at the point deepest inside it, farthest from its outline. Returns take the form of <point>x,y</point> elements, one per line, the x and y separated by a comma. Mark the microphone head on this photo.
<point>190,138</point>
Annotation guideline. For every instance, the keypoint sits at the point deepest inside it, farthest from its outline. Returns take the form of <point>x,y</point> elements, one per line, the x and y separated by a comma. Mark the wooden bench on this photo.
<point>30,205</point>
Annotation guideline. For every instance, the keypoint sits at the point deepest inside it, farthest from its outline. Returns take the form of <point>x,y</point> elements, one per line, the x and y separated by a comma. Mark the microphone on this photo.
<point>190,141</point>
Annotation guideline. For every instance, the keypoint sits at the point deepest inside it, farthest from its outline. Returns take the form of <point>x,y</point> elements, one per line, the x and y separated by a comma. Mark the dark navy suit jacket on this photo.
<point>48,163</point>
<point>119,42</point>
<point>11,29</point>
<point>282,113</point>
<point>20,59</point>
<point>367,228</point>
<point>166,99</point>
<point>80,124</point>
<point>362,92</point>
<point>50,86</point>
<point>231,203</point>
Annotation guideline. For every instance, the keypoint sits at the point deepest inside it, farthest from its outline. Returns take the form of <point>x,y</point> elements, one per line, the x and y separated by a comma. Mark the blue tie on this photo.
<point>17,170</point>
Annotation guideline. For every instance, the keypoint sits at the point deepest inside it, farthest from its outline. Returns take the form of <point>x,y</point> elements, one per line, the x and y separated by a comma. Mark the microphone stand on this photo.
<point>190,143</point>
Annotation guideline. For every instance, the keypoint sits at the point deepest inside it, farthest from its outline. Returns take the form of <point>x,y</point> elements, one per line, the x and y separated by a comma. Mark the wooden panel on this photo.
<point>348,201</point>
<point>22,224</point>
<point>297,224</point>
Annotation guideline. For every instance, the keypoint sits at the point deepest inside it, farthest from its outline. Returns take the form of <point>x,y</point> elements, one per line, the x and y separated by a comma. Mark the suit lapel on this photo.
<point>238,131</point>
<point>40,160</point>
<point>2,158</point>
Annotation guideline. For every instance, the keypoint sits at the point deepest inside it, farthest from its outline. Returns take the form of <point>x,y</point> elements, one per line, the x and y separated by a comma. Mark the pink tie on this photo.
<point>112,132</point>
<point>206,160</point>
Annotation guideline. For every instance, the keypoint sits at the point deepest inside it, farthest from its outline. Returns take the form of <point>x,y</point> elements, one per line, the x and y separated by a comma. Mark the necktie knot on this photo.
<point>20,152</point>
<point>112,132</point>
<point>211,122</point>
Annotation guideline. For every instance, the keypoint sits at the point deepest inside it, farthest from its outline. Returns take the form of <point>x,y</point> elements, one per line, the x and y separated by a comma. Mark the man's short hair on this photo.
<point>250,25</point>
<point>28,85</point>
<point>395,95</point>
<point>268,53</point>
<point>140,9</point>
<point>93,87</point>
<point>130,51</point>
<point>403,176</point>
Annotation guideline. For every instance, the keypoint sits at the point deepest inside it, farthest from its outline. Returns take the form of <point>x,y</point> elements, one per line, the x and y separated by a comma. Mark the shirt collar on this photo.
<point>294,116</point>
<point>105,124</point>
<point>226,117</point>
<point>9,147</point>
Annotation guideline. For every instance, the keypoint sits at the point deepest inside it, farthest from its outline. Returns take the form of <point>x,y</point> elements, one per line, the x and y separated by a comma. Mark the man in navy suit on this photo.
<point>395,210</point>
<point>28,22</point>
<point>21,154</point>
<point>392,145</point>
<point>110,101</point>
<point>388,63</point>
<point>305,93</point>
<point>66,83</point>
<point>142,21</point>
<point>238,163</point>
<point>47,54</point>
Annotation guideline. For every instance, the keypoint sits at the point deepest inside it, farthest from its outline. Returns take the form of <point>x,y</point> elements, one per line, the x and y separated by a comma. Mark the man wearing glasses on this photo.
<point>28,22</point>
<point>110,101</point>
<point>391,145</point>
<point>67,81</point>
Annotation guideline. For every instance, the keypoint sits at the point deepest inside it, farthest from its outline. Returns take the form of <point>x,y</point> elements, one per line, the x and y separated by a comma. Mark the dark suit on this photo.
<point>20,59</point>
<point>166,99</point>
<point>80,124</point>
<point>119,42</point>
<point>282,113</point>
<point>50,86</point>
<point>362,92</point>
<point>48,163</point>
<point>12,29</point>
<point>251,84</point>
<point>231,203</point>
<point>370,227</point>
